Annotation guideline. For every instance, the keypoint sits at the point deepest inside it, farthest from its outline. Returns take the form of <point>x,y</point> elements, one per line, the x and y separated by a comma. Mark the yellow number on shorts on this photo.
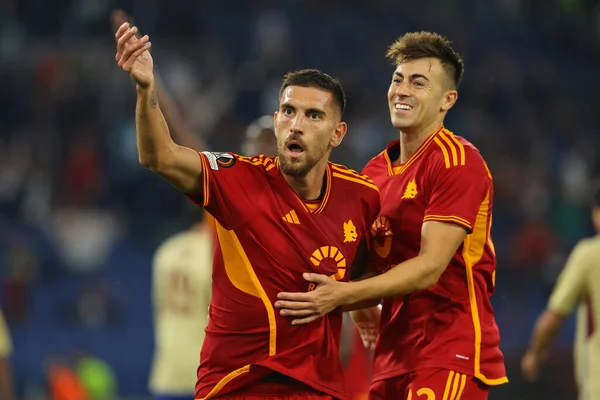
<point>428,393</point>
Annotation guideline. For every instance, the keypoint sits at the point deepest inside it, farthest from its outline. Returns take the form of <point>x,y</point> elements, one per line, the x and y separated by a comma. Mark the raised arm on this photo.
<point>179,165</point>
<point>181,132</point>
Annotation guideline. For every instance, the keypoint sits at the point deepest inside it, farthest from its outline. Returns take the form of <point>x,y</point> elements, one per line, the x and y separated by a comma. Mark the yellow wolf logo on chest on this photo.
<point>411,190</point>
<point>350,234</point>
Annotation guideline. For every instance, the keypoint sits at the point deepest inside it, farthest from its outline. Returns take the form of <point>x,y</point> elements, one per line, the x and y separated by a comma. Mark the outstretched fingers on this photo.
<point>125,39</point>
<point>121,30</point>
<point>133,51</point>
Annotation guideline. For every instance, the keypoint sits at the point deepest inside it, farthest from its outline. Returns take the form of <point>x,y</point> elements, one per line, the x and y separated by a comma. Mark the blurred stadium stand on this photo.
<point>79,218</point>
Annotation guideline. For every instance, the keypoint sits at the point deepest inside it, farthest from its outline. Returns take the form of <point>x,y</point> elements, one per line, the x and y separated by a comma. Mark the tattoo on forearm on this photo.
<point>153,99</point>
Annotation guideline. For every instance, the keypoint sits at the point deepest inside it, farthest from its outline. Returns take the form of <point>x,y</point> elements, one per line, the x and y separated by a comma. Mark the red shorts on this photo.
<point>274,390</point>
<point>430,384</point>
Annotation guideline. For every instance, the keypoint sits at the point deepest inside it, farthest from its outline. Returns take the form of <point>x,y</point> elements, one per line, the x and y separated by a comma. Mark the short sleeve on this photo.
<point>5,341</point>
<point>570,286</point>
<point>457,193</point>
<point>228,182</point>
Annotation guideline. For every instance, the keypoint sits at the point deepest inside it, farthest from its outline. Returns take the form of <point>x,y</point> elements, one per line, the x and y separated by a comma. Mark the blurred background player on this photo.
<point>181,286</point>
<point>578,286</point>
<point>260,138</point>
<point>6,378</point>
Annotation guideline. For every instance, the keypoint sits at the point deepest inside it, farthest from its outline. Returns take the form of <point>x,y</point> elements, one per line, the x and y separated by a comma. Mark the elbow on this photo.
<point>155,164</point>
<point>148,162</point>
<point>553,319</point>
<point>156,161</point>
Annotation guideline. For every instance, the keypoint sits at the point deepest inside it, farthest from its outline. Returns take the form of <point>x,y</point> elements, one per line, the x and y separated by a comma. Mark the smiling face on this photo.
<point>307,127</point>
<point>420,94</point>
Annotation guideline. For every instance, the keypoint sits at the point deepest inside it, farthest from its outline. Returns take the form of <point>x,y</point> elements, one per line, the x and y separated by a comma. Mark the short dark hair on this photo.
<point>416,45</point>
<point>316,79</point>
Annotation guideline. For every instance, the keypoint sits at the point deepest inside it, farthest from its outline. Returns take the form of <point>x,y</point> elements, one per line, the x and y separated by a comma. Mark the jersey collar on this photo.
<point>326,193</point>
<point>394,149</point>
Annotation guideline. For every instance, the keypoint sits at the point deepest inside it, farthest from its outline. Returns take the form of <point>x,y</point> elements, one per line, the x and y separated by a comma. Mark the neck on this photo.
<point>308,187</point>
<point>411,140</point>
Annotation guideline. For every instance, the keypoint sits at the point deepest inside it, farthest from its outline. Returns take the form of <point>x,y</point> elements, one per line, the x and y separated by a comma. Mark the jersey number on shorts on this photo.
<point>422,394</point>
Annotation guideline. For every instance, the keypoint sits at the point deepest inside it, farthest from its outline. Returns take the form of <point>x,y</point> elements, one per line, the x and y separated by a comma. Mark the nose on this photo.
<point>401,89</point>
<point>297,124</point>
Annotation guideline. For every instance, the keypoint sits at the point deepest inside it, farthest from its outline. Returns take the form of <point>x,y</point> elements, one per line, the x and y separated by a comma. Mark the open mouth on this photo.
<point>403,107</point>
<point>295,148</point>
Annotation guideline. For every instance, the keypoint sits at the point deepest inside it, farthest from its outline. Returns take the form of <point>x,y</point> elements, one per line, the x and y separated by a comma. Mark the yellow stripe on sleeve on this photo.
<point>452,149</point>
<point>444,151</point>
<point>452,219</point>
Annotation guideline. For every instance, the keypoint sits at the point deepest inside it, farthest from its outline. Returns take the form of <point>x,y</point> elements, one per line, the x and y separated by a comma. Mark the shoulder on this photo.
<point>587,247</point>
<point>259,161</point>
<point>378,159</point>
<point>223,160</point>
<point>359,185</point>
<point>378,162</point>
<point>353,179</point>
<point>455,153</point>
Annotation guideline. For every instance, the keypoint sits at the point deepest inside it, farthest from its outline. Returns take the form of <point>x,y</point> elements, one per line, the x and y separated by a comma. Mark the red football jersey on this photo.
<point>266,237</point>
<point>451,325</point>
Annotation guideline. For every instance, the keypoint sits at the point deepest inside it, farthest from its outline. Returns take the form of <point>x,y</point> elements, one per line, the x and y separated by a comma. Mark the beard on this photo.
<point>299,168</point>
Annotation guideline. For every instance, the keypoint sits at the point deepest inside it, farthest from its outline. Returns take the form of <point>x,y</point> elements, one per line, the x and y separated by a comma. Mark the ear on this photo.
<point>275,115</point>
<point>449,100</point>
<point>338,135</point>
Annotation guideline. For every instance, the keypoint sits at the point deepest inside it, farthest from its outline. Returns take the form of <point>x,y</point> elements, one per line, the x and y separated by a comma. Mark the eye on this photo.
<point>314,116</point>
<point>287,111</point>
<point>396,80</point>
<point>419,83</point>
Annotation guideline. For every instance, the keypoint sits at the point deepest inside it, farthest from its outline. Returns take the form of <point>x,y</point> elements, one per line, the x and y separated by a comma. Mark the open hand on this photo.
<point>133,55</point>
<point>309,306</point>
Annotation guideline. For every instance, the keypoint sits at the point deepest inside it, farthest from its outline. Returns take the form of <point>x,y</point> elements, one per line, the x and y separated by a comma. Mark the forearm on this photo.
<point>153,138</point>
<point>365,303</point>
<point>545,331</point>
<point>360,305</point>
<point>415,274</point>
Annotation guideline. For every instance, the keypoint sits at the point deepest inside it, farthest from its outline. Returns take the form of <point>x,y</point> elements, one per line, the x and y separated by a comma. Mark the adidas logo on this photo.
<point>291,217</point>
